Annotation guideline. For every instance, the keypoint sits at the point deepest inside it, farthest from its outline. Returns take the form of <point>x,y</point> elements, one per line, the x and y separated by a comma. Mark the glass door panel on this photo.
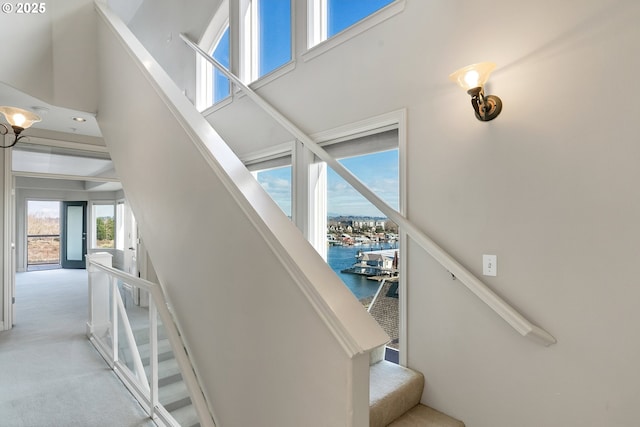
<point>74,234</point>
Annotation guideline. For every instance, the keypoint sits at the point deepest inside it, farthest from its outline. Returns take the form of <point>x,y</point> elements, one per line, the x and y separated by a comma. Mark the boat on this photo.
<point>375,263</point>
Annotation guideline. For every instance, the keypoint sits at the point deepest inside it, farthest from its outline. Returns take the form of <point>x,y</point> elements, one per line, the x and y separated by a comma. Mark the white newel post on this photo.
<point>99,317</point>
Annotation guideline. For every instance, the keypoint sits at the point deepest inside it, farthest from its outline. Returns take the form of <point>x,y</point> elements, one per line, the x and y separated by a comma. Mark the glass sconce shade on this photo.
<point>18,117</point>
<point>473,76</point>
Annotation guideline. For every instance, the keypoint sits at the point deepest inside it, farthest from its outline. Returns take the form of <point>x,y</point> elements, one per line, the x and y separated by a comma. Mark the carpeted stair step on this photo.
<point>174,396</point>
<point>186,416</point>
<point>424,416</point>
<point>164,351</point>
<point>141,334</point>
<point>393,390</point>
<point>166,369</point>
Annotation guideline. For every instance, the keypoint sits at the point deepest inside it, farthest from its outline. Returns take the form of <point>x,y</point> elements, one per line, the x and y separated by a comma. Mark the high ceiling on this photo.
<point>56,78</point>
<point>54,118</point>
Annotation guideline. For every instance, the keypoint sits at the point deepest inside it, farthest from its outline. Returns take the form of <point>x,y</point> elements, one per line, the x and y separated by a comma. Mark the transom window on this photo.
<point>328,18</point>
<point>342,14</point>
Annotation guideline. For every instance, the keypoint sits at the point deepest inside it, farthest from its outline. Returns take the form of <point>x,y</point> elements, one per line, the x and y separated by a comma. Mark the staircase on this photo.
<point>394,399</point>
<point>172,392</point>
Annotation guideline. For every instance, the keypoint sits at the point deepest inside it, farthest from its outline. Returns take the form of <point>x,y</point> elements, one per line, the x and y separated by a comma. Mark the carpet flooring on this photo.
<point>50,374</point>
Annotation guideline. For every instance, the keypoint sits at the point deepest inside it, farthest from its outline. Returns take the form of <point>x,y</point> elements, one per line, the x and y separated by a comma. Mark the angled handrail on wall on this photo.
<point>107,313</point>
<point>475,285</point>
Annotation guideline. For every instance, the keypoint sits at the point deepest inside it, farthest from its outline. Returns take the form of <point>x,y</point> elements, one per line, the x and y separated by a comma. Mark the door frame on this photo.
<point>64,262</point>
<point>9,246</point>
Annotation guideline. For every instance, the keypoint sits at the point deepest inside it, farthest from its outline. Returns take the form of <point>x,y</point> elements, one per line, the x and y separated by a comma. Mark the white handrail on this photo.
<point>497,304</point>
<point>179,351</point>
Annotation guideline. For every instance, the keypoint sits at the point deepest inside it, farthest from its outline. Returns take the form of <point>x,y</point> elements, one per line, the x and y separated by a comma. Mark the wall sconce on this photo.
<point>19,120</point>
<point>472,79</point>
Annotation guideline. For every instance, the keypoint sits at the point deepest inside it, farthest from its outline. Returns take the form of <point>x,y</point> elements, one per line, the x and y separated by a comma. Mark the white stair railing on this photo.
<point>475,285</point>
<point>109,322</point>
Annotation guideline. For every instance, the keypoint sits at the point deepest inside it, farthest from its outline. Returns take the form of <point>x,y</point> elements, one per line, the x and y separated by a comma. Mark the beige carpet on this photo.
<point>50,374</point>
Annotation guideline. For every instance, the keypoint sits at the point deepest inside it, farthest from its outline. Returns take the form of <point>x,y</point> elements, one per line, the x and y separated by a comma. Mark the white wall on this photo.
<point>52,56</point>
<point>158,25</point>
<point>549,187</point>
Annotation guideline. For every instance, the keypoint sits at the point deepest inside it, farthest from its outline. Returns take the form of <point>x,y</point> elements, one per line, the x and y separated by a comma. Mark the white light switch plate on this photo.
<point>490,265</point>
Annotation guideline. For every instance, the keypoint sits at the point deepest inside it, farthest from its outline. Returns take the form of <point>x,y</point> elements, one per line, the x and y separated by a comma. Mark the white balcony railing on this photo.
<point>126,333</point>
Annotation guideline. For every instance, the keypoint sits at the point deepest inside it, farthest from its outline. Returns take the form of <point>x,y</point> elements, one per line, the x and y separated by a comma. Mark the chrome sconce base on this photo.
<point>487,107</point>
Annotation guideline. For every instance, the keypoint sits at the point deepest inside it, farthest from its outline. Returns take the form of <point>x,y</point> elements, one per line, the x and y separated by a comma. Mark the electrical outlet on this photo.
<point>490,265</point>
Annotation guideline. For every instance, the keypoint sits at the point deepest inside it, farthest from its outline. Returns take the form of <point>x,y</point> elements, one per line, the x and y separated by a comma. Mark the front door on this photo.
<point>74,235</point>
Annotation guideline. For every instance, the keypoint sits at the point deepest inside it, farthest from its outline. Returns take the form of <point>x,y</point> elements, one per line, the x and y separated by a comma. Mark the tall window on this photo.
<point>220,84</point>
<point>356,239</point>
<point>265,45</point>
<point>363,244</point>
<point>266,40</point>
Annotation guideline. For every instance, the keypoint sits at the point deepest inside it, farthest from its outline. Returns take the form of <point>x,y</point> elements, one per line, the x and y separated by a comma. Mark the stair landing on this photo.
<point>394,399</point>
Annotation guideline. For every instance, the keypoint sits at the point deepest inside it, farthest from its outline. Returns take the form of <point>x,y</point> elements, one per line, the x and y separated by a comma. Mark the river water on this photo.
<point>341,257</point>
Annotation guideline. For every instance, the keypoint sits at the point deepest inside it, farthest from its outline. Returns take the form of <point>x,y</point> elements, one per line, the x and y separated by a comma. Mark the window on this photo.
<point>277,183</point>
<point>220,86</point>
<point>265,45</point>
<point>336,19</point>
<point>343,14</point>
<point>268,38</point>
<point>360,244</point>
<point>103,226</point>
<point>274,175</point>
<point>43,232</point>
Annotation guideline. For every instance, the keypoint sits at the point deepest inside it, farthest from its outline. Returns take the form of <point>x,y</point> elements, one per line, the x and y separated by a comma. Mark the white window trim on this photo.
<point>317,41</point>
<point>204,70</point>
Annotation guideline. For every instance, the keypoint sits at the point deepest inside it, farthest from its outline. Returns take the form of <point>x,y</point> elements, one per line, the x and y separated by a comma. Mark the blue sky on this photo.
<point>44,209</point>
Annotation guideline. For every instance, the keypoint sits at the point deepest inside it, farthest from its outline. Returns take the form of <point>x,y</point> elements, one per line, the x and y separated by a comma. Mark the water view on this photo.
<point>342,257</point>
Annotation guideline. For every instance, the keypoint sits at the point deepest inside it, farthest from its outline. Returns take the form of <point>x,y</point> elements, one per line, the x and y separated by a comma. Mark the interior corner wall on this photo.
<point>158,25</point>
